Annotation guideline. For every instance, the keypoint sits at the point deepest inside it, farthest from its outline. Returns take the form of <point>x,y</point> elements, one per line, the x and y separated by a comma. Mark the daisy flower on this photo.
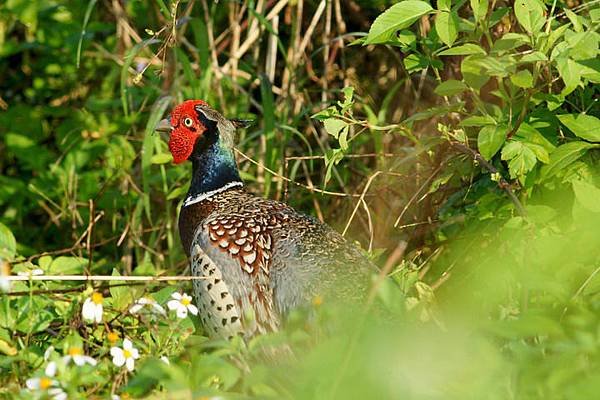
<point>92,308</point>
<point>182,303</point>
<point>125,356</point>
<point>80,359</point>
<point>47,384</point>
<point>165,360</point>
<point>143,301</point>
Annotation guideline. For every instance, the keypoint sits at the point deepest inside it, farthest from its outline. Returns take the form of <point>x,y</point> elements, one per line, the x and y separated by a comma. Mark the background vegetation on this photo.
<point>456,140</point>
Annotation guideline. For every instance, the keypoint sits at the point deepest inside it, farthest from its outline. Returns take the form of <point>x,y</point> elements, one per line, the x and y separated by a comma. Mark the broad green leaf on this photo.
<point>478,120</point>
<point>587,194</point>
<point>473,73</point>
<point>521,159</point>
<point>590,69</point>
<point>333,126</point>
<point>522,79</point>
<point>399,16</point>
<point>450,88</point>
<point>463,50</point>
<point>161,158</point>
<point>569,71</point>
<point>577,27</point>
<point>444,5</point>
<point>8,244</point>
<point>509,41</point>
<point>67,265</point>
<point>480,8</point>
<point>533,57</point>
<point>584,126</point>
<point>490,140</point>
<point>530,14</point>
<point>415,62</point>
<point>563,156</point>
<point>498,66</point>
<point>407,38</point>
<point>446,26</point>
<point>582,45</point>
<point>540,152</point>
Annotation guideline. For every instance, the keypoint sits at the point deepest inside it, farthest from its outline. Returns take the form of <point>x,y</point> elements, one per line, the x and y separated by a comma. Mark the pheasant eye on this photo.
<point>188,122</point>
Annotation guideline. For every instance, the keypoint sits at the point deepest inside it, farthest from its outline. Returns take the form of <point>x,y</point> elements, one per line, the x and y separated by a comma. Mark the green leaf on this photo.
<point>399,16</point>
<point>522,79</point>
<point>480,8</point>
<point>521,159</point>
<point>161,158</point>
<point>478,120</point>
<point>587,194</point>
<point>444,5</point>
<point>446,26</point>
<point>563,156</point>
<point>8,244</point>
<point>590,69</point>
<point>332,158</point>
<point>530,14</point>
<point>333,126</point>
<point>463,50</point>
<point>415,62</point>
<point>473,73</point>
<point>569,71</point>
<point>533,57</point>
<point>509,41</point>
<point>490,140</point>
<point>574,20</point>
<point>540,152</point>
<point>450,88</point>
<point>67,265</point>
<point>584,126</point>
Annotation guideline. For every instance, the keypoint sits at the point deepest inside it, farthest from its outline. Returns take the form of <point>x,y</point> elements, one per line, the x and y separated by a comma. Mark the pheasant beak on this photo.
<point>164,128</point>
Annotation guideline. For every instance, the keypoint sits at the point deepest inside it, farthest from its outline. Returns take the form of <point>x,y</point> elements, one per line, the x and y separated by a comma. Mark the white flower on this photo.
<point>80,359</point>
<point>141,302</point>
<point>47,384</point>
<point>92,308</point>
<point>4,274</point>
<point>48,353</point>
<point>31,272</point>
<point>165,360</point>
<point>182,303</point>
<point>127,355</point>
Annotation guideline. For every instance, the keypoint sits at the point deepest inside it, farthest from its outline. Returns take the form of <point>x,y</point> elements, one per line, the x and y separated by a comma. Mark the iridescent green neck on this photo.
<point>214,168</point>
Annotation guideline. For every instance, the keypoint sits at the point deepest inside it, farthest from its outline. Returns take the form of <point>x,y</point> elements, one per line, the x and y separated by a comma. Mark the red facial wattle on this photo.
<point>181,144</point>
<point>183,138</point>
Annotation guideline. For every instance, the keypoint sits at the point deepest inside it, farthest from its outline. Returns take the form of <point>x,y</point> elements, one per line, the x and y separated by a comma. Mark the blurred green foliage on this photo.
<point>470,128</point>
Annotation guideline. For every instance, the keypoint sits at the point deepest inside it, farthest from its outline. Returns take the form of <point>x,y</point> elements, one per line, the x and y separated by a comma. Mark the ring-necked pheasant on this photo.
<point>260,257</point>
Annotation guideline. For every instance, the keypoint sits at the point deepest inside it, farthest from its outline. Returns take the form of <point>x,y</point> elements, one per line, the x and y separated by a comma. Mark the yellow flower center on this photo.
<point>112,337</point>
<point>317,301</point>
<point>126,353</point>
<point>97,298</point>
<point>45,383</point>
<point>75,351</point>
<point>185,301</point>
